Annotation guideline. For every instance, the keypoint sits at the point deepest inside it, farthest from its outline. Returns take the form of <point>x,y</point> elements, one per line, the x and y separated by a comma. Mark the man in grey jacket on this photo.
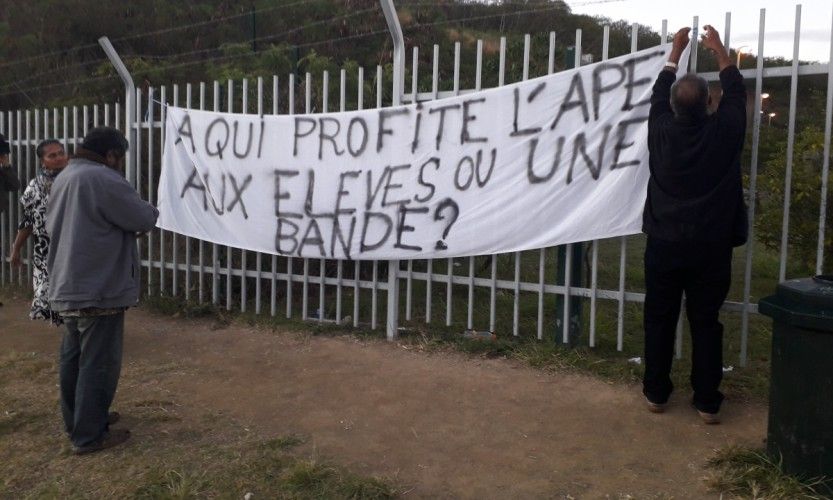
<point>93,219</point>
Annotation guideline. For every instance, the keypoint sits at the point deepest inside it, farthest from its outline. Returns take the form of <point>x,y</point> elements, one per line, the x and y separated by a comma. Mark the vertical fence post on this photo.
<point>785,221</point>
<point>825,170</point>
<point>752,195</point>
<point>130,106</point>
<point>392,329</point>
<point>569,258</point>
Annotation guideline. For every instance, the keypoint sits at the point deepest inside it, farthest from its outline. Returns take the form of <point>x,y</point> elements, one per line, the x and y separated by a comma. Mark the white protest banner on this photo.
<point>553,160</point>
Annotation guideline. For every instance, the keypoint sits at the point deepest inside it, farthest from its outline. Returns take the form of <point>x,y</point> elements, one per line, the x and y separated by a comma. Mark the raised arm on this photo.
<point>732,106</point>
<point>711,40</point>
<point>661,96</point>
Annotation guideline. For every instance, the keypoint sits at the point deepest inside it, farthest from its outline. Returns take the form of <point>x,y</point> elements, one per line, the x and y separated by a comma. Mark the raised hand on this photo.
<point>711,39</point>
<point>680,39</point>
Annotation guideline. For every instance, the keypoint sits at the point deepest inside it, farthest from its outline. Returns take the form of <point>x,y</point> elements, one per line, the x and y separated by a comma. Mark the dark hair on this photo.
<point>690,97</point>
<point>43,144</point>
<point>4,145</point>
<point>102,140</point>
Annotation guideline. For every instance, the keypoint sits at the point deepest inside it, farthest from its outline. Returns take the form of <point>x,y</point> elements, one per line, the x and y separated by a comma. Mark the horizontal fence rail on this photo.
<point>540,294</point>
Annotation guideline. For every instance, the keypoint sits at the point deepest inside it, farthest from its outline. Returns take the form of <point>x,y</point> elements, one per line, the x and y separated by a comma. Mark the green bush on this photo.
<point>808,158</point>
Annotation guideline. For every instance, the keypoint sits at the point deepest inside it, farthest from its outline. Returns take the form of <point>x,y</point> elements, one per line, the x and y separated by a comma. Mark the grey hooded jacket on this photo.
<point>93,218</point>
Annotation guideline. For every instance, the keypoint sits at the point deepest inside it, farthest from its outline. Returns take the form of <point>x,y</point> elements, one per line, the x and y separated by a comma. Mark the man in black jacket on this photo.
<point>694,215</point>
<point>8,179</point>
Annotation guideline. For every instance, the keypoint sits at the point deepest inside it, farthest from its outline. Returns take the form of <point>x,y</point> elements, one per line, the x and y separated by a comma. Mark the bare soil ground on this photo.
<point>438,425</point>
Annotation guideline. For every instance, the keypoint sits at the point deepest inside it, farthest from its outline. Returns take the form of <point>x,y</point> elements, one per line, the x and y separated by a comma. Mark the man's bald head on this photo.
<point>690,97</point>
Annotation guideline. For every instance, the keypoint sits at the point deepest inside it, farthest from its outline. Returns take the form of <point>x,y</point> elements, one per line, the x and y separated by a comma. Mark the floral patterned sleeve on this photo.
<point>29,200</point>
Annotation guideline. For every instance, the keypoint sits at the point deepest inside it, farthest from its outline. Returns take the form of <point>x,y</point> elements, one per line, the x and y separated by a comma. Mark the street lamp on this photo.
<point>765,95</point>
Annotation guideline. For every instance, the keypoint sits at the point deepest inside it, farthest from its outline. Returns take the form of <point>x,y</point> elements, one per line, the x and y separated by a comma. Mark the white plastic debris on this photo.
<point>637,360</point>
<point>728,368</point>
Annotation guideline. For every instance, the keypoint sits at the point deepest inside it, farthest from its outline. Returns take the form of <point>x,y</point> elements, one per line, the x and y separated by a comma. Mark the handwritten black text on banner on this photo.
<point>553,160</point>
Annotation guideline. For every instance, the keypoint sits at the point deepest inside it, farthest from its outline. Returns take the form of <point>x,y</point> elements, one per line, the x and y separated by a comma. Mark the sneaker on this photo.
<point>709,418</point>
<point>113,438</point>
<point>655,407</point>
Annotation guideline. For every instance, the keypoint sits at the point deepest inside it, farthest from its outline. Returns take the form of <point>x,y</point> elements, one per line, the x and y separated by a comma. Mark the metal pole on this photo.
<point>392,329</point>
<point>825,170</point>
<point>785,224</point>
<point>398,49</point>
<point>753,191</point>
<point>130,106</point>
<point>570,257</point>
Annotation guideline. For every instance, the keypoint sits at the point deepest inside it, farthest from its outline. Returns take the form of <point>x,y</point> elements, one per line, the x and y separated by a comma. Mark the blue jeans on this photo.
<point>91,353</point>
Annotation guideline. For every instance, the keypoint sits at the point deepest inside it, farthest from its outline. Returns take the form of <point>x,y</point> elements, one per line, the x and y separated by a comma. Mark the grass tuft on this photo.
<point>748,473</point>
<point>173,485</point>
<point>181,308</point>
<point>308,475</point>
<point>545,355</point>
<point>367,488</point>
<point>323,481</point>
<point>282,443</point>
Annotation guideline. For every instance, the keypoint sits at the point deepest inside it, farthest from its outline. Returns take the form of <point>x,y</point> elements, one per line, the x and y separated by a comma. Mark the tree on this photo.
<point>805,200</point>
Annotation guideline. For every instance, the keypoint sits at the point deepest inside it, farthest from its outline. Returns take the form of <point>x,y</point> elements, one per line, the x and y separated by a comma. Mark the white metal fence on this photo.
<point>500,294</point>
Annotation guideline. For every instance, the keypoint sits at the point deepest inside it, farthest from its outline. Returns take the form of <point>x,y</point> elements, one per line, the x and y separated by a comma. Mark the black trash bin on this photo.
<point>800,428</point>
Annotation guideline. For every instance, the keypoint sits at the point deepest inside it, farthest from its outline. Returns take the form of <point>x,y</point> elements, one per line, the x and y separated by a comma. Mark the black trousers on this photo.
<point>703,271</point>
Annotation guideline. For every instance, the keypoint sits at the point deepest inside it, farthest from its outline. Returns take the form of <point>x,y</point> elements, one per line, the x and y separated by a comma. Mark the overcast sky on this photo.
<point>816,18</point>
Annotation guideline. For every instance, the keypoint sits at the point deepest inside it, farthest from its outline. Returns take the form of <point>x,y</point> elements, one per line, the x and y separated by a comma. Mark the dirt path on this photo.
<point>442,425</point>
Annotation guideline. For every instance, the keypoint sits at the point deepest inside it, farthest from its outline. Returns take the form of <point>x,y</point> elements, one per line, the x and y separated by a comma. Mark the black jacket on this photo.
<point>695,191</point>
<point>8,183</point>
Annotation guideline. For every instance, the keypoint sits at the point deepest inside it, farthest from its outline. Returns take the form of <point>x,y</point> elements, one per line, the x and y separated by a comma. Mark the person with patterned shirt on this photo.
<point>53,159</point>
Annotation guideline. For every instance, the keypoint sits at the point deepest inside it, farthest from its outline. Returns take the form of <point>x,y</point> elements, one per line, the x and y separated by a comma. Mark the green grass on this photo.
<point>745,473</point>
